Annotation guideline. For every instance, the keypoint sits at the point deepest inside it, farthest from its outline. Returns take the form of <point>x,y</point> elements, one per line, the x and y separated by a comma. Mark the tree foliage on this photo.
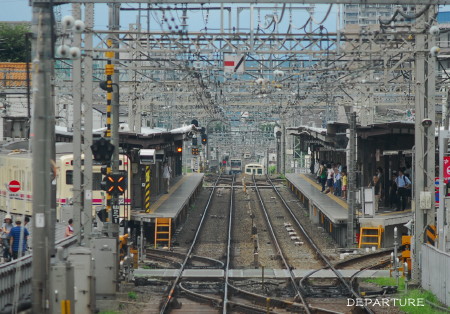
<point>13,47</point>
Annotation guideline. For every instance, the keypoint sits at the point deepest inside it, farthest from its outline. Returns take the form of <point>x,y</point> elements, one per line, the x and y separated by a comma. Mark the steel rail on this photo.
<point>280,252</point>
<point>317,249</point>
<point>227,265</point>
<point>188,255</point>
<point>178,255</point>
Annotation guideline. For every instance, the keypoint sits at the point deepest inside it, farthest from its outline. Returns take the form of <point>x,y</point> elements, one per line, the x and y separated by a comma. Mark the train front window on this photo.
<point>69,177</point>
<point>259,171</point>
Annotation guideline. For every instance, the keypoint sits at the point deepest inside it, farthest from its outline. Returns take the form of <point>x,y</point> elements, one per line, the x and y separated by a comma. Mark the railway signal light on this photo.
<point>102,150</point>
<point>114,184</point>
<point>195,151</point>
<point>194,141</point>
<point>179,150</point>
<point>204,139</point>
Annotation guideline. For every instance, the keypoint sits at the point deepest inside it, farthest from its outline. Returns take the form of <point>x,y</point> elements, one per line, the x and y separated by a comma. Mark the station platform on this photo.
<point>331,211</point>
<point>255,273</point>
<point>174,204</point>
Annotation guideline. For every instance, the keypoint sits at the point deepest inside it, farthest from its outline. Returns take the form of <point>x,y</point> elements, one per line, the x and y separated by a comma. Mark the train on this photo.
<point>254,169</point>
<point>16,165</point>
<point>236,166</point>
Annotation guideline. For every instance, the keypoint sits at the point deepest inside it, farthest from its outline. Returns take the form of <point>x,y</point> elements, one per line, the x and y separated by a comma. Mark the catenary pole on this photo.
<point>88,125</point>
<point>42,138</point>
<point>76,96</point>
<point>424,174</point>
<point>351,181</point>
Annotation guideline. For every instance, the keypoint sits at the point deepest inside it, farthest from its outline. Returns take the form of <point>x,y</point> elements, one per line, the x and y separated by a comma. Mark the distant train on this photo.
<point>254,169</point>
<point>17,165</point>
<point>236,166</point>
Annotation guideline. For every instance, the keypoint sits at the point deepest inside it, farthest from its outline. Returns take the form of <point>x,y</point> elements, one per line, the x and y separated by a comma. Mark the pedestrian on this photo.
<point>25,223</point>
<point>18,248</point>
<point>337,182</point>
<point>377,187</point>
<point>5,234</point>
<point>393,192</point>
<point>408,171</point>
<point>330,181</point>
<point>316,168</point>
<point>166,176</point>
<point>403,190</point>
<point>69,229</point>
<point>344,185</point>
<point>323,176</point>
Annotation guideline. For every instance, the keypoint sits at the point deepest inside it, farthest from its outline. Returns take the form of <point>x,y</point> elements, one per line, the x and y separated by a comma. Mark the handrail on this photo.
<point>8,273</point>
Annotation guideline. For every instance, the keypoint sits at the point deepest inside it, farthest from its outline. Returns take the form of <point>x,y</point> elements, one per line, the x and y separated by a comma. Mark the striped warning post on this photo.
<point>430,234</point>
<point>147,190</point>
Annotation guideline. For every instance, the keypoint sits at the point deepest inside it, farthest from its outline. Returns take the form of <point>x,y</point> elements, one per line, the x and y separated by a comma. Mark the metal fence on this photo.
<point>436,272</point>
<point>21,267</point>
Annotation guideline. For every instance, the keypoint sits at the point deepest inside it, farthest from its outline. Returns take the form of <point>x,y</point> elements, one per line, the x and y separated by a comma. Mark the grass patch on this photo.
<point>272,169</point>
<point>387,281</point>
<point>427,308</point>
<point>132,295</point>
<point>415,294</point>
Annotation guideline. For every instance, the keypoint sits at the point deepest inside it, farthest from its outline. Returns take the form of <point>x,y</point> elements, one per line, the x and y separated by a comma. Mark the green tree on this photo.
<point>13,43</point>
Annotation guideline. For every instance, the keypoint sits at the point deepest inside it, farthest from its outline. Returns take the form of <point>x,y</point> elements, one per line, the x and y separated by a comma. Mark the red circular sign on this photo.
<point>14,186</point>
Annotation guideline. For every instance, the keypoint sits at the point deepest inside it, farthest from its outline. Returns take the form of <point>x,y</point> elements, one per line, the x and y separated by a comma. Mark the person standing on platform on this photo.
<point>323,176</point>
<point>69,229</point>
<point>330,181</point>
<point>393,191</point>
<point>344,185</point>
<point>403,190</point>
<point>166,176</point>
<point>5,231</point>
<point>18,233</point>
<point>377,185</point>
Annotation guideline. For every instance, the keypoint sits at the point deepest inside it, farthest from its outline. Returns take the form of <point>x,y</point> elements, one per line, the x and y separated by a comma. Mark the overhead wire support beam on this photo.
<point>402,2</point>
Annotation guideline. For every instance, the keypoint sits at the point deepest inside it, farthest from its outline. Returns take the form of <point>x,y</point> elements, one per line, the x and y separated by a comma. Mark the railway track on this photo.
<point>167,300</point>
<point>212,242</point>
<point>342,286</point>
<point>228,296</point>
<point>298,292</point>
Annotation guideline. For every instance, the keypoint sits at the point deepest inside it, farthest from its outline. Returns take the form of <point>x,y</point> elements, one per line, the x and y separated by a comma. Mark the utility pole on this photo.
<point>88,125</point>
<point>43,147</point>
<point>351,181</point>
<point>76,96</point>
<point>424,133</point>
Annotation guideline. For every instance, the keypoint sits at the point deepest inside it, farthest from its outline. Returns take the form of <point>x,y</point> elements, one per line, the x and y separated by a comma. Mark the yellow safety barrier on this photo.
<point>163,231</point>
<point>372,233</point>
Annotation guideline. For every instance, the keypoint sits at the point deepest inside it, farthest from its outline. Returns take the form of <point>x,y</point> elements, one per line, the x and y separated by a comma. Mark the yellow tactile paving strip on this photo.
<point>319,187</point>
